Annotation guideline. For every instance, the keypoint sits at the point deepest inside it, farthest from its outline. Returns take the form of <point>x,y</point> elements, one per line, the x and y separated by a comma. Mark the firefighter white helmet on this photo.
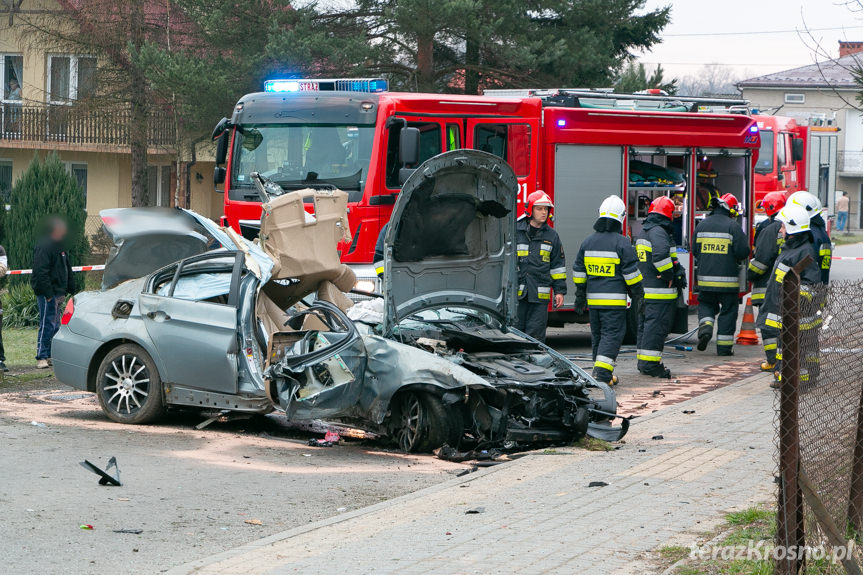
<point>809,202</point>
<point>612,207</point>
<point>795,217</point>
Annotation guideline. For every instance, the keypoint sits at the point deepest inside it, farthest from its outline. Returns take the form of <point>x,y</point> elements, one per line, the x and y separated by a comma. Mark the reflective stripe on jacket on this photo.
<point>795,249</point>
<point>541,265</point>
<point>718,245</point>
<point>657,258</point>
<point>767,243</point>
<point>823,246</point>
<point>606,267</point>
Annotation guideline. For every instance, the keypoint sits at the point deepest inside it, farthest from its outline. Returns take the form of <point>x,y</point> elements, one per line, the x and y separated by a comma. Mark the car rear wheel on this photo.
<point>128,385</point>
<point>421,422</point>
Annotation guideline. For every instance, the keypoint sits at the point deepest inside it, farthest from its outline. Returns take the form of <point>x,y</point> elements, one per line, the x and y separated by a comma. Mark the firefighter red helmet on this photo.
<point>773,202</point>
<point>538,198</point>
<point>732,203</point>
<point>662,205</point>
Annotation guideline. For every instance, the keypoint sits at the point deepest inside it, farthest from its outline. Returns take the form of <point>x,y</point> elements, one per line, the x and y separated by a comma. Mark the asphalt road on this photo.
<point>847,269</point>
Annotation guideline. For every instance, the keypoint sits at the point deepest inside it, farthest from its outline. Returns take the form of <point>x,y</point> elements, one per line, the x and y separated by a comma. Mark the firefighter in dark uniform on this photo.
<point>541,266</point>
<point>798,244</point>
<point>663,278</point>
<point>768,241</point>
<point>820,237</point>
<point>719,245</point>
<point>605,271</point>
<point>379,251</point>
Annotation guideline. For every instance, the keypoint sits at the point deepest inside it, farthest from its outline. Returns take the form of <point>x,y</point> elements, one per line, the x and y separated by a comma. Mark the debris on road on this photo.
<point>37,424</point>
<point>475,511</point>
<point>332,436</point>
<point>253,522</point>
<point>130,531</point>
<point>216,417</point>
<point>105,477</point>
<point>86,527</point>
<point>657,437</point>
<point>597,484</point>
<point>688,411</point>
<point>320,443</point>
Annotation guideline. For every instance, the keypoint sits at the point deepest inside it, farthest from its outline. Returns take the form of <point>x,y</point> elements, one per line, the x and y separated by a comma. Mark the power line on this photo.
<point>759,32</point>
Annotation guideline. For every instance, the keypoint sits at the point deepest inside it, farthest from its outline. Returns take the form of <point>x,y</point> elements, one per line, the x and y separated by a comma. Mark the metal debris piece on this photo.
<point>130,531</point>
<point>475,511</point>
<point>105,477</point>
<point>657,437</point>
<point>688,411</point>
<point>597,484</point>
<point>216,417</point>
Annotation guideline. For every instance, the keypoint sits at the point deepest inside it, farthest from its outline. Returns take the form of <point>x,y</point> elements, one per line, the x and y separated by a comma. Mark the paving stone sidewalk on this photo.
<point>538,514</point>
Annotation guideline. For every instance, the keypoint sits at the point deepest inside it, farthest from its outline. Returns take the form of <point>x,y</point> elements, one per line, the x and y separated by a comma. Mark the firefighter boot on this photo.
<point>604,376</point>
<point>705,332</point>
<point>657,370</point>
<point>767,366</point>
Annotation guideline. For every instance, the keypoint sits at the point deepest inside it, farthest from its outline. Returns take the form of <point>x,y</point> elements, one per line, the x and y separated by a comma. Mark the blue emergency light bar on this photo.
<point>327,85</point>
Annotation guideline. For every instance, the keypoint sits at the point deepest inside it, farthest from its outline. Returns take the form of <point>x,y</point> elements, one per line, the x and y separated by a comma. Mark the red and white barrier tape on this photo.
<point>846,258</point>
<point>74,269</point>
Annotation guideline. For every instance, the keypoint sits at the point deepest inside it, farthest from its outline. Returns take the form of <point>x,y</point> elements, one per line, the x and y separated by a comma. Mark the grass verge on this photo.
<point>744,547</point>
<point>20,346</point>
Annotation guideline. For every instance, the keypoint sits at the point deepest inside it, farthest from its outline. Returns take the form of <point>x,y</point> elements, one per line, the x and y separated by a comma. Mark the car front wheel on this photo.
<point>421,422</point>
<point>128,385</point>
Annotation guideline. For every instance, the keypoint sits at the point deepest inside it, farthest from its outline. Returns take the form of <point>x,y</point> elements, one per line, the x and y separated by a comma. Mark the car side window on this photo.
<point>430,146</point>
<point>212,287</point>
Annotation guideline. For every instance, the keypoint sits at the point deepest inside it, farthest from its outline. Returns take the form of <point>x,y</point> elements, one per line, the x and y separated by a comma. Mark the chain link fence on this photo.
<point>820,429</point>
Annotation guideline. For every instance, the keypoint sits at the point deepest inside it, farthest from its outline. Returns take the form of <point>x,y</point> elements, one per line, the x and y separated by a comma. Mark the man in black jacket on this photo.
<point>719,245</point>
<point>51,281</point>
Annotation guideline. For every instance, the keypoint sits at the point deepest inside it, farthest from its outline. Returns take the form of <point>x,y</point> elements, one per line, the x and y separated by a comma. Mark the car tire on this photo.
<point>421,422</point>
<point>128,385</point>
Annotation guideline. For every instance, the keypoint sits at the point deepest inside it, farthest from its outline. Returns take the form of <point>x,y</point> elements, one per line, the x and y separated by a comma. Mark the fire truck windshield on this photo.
<point>765,153</point>
<point>297,156</point>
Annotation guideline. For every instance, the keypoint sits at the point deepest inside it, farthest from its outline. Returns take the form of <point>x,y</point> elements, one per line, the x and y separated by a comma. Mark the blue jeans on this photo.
<point>841,220</point>
<point>49,323</point>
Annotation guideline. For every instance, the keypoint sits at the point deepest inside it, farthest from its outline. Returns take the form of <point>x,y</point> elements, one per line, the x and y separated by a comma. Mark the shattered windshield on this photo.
<point>297,156</point>
<point>451,315</point>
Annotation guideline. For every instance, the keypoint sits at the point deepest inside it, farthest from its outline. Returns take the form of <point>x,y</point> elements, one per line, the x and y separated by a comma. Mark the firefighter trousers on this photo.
<point>769,339</point>
<point>726,304</point>
<point>653,327</point>
<point>607,329</point>
<point>810,357</point>
<point>532,318</point>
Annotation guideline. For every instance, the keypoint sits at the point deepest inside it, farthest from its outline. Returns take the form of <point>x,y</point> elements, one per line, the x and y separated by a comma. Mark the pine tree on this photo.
<point>45,189</point>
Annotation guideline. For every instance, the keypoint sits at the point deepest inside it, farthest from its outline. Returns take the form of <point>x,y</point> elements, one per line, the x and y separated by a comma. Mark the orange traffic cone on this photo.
<point>747,334</point>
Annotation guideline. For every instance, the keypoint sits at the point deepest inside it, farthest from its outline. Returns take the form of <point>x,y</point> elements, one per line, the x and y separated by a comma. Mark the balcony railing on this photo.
<point>71,125</point>
<point>850,162</point>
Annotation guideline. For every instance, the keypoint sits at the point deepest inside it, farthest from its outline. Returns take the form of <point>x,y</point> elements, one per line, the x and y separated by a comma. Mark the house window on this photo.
<point>11,68</point>
<point>795,98</point>
<point>159,185</point>
<point>5,180</point>
<point>70,78</point>
<point>79,172</point>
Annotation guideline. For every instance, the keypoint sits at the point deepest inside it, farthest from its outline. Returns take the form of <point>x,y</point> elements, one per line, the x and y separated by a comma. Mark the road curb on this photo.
<point>193,567</point>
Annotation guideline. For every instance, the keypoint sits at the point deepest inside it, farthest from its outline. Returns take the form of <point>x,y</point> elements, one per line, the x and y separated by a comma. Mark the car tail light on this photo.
<point>67,313</point>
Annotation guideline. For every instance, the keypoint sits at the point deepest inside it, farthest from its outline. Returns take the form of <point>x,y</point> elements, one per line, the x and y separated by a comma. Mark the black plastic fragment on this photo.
<point>105,477</point>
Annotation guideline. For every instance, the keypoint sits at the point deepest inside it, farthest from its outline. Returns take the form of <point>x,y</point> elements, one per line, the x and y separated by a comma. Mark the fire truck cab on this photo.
<point>578,146</point>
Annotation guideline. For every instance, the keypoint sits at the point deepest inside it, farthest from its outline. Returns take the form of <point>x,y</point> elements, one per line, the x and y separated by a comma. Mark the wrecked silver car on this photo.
<point>256,327</point>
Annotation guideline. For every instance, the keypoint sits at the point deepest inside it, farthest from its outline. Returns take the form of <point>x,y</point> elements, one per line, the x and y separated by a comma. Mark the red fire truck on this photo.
<point>580,146</point>
<point>795,157</point>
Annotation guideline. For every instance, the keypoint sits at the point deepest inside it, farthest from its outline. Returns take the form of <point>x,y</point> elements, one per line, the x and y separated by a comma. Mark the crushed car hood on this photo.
<point>451,238</point>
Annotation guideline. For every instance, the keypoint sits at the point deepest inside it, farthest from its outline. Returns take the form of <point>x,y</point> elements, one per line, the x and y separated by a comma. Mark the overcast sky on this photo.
<point>731,32</point>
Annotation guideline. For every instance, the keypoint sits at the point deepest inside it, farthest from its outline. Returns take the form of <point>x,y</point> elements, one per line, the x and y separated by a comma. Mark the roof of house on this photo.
<point>836,73</point>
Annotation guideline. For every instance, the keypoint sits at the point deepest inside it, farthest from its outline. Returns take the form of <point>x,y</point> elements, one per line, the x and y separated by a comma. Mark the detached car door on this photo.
<point>190,311</point>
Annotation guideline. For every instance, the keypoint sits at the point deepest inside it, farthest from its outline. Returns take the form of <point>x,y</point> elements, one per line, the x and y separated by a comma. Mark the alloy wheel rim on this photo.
<point>127,384</point>
<point>410,422</point>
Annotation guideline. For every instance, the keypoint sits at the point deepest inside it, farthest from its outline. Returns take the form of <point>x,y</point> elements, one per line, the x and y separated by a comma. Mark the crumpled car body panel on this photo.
<point>306,357</point>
